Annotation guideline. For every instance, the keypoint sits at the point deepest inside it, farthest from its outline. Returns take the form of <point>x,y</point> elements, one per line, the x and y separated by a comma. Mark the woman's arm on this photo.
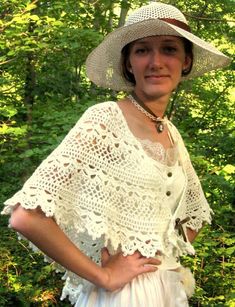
<point>191,234</point>
<point>48,237</point>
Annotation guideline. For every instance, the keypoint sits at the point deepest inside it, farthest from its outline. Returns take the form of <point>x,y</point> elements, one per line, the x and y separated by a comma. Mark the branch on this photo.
<point>7,61</point>
<point>209,19</point>
<point>7,90</point>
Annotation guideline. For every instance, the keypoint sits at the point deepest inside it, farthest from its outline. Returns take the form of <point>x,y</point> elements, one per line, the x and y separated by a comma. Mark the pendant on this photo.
<point>160,127</point>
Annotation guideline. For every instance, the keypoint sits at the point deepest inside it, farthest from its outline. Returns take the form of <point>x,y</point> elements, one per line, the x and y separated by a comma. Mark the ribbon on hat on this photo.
<point>177,23</point>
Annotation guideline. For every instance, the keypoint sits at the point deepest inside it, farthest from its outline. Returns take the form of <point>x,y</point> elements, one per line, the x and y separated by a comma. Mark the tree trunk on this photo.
<point>29,88</point>
<point>124,10</point>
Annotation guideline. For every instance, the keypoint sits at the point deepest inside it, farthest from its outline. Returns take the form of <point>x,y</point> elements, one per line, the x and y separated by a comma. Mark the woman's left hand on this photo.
<point>120,269</point>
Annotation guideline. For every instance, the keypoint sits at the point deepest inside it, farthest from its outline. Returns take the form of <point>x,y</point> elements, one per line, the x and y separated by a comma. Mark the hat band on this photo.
<point>177,23</point>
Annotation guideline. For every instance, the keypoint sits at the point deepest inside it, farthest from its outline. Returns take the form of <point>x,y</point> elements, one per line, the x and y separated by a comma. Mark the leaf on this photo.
<point>230,250</point>
<point>228,169</point>
<point>31,6</point>
<point>34,17</point>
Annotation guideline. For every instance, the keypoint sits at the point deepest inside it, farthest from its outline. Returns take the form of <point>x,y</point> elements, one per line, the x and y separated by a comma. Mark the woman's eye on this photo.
<point>141,50</point>
<point>170,49</point>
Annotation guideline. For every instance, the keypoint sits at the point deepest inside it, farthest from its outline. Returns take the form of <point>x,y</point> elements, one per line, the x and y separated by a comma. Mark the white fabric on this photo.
<point>158,289</point>
<point>104,190</point>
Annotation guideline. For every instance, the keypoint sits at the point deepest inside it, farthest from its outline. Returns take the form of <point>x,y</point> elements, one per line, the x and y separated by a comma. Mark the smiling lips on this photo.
<point>156,77</point>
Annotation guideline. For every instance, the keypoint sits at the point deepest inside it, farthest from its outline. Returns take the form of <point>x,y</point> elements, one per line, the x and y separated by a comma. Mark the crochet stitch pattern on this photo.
<point>104,190</point>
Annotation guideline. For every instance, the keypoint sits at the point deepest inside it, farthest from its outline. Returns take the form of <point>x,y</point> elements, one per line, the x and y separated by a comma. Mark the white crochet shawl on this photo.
<point>103,189</point>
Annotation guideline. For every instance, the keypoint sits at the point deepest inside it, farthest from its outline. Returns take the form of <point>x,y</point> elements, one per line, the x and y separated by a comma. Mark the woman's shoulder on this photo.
<point>102,108</point>
<point>103,112</point>
<point>103,115</point>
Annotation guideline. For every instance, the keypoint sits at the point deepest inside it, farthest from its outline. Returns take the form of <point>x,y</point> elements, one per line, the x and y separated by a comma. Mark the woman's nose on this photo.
<point>156,60</point>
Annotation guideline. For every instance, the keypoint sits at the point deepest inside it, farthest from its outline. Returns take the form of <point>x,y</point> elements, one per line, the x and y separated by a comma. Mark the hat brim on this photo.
<point>103,63</point>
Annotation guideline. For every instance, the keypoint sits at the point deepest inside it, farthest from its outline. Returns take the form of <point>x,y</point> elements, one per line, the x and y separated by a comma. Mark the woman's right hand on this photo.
<point>119,269</point>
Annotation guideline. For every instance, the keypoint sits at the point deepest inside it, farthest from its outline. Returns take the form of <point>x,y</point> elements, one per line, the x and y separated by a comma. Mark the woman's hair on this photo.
<point>188,47</point>
<point>125,54</point>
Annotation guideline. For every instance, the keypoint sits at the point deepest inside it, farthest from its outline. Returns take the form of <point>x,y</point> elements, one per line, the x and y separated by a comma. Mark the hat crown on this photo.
<point>155,10</point>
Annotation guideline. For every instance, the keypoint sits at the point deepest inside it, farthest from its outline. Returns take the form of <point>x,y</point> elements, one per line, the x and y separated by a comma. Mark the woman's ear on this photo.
<point>187,63</point>
<point>129,68</point>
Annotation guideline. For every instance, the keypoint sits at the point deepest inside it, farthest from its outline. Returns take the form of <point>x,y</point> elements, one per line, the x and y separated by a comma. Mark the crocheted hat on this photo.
<point>103,65</point>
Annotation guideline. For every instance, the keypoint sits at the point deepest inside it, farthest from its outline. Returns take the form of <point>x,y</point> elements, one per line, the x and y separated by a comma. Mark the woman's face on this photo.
<point>157,63</point>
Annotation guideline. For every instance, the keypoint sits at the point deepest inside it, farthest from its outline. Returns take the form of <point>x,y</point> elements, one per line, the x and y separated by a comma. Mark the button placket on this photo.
<point>169,181</point>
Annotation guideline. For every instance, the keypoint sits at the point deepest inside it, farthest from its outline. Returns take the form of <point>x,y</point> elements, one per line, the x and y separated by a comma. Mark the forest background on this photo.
<point>44,91</point>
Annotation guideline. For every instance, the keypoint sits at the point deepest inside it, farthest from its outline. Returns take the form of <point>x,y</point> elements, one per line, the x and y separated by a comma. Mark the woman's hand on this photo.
<point>121,269</point>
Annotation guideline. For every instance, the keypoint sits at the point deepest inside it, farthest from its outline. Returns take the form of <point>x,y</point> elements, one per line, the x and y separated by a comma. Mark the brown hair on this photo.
<point>188,48</point>
<point>125,53</point>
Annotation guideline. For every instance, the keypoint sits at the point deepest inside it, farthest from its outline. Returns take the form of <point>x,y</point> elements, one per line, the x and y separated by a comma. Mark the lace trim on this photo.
<point>156,151</point>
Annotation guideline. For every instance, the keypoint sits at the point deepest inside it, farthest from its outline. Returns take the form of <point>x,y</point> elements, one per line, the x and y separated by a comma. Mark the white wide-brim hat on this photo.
<point>103,64</point>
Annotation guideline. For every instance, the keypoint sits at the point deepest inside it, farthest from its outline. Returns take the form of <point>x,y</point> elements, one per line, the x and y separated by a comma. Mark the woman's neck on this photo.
<point>157,104</point>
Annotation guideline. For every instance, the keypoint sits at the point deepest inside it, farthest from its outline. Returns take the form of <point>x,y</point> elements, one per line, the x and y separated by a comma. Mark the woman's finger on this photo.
<point>136,255</point>
<point>152,261</point>
<point>104,255</point>
<point>149,268</point>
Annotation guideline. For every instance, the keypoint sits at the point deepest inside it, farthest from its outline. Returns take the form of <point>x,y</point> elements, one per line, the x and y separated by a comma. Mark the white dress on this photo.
<point>164,287</point>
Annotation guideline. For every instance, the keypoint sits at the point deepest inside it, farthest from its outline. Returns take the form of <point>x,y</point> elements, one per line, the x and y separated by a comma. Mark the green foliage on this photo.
<point>44,91</point>
<point>25,280</point>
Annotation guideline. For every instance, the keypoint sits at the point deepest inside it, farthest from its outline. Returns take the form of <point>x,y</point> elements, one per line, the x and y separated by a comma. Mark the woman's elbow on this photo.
<point>22,219</point>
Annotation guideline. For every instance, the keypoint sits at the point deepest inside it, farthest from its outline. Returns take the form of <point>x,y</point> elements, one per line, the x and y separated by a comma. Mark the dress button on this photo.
<point>168,193</point>
<point>169,174</point>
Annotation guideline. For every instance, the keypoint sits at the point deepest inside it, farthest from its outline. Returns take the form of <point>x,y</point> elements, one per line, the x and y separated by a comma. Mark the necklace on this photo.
<point>159,122</point>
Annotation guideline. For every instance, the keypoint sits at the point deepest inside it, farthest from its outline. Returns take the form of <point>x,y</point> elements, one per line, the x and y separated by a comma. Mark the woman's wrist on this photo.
<point>91,271</point>
<point>101,277</point>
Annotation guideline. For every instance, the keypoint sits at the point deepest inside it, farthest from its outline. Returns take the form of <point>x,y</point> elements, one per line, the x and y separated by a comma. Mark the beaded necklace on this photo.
<point>159,122</point>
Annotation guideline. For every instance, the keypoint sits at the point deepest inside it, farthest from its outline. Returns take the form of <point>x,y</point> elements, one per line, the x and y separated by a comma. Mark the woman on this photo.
<point>118,202</point>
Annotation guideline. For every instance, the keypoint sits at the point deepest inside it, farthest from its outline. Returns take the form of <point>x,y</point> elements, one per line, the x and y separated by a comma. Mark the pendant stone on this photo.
<point>159,127</point>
